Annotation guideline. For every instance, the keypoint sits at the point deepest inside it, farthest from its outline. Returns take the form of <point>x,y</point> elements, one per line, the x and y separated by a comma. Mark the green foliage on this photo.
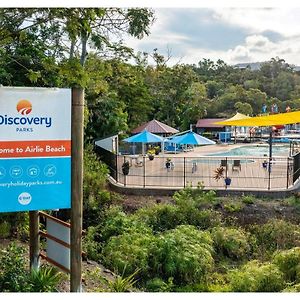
<point>46,279</point>
<point>160,217</point>
<point>91,243</point>
<point>13,274</point>
<point>293,201</point>
<point>248,199</point>
<point>116,222</point>
<point>256,277</point>
<point>5,229</point>
<point>158,285</point>
<point>233,206</point>
<point>183,253</point>
<point>123,283</point>
<point>15,224</point>
<point>288,262</point>
<point>129,252</point>
<point>276,235</point>
<point>94,181</point>
<point>231,242</point>
<point>292,288</point>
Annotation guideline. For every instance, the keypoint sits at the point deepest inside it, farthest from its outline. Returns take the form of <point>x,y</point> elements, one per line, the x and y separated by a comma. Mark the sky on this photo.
<point>235,35</point>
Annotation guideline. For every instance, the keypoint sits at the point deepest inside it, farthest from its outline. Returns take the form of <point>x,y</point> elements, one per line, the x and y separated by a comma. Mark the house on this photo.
<point>206,127</point>
<point>156,127</point>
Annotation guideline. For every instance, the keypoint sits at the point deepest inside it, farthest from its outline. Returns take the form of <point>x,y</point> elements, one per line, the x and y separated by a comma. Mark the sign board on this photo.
<point>35,149</point>
<point>56,251</point>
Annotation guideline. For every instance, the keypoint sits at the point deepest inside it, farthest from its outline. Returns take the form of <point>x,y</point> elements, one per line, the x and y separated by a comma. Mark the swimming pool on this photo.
<point>257,150</point>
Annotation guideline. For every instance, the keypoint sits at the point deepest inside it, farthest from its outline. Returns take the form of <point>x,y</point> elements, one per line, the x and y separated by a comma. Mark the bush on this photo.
<point>183,253</point>
<point>160,217</point>
<point>91,244</point>
<point>15,224</point>
<point>248,199</point>
<point>94,181</point>
<point>256,277</point>
<point>45,279</point>
<point>231,242</point>
<point>292,288</point>
<point>289,263</point>
<point>233,207</point>
<point>5,229</point>
<point>158,285</point>
<point>276,235</point>
<point>203,219</point>
<point>13,274</point>
<point>129,252</point>
<point>198,198</point>
<point>117,222</point>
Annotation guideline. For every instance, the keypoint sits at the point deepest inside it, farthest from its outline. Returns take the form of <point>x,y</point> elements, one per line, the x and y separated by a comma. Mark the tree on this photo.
<point>243,108</point>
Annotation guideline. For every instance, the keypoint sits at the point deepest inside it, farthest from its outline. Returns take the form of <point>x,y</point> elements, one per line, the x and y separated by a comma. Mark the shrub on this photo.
<point>256,277</point>
<point>231,242</point>
<point>13,274</point>
<point>94,182</point>
<point>16,224</point>
<point>129,252</point>
<point>160,217</point>
<point>195,197</point>
<point>45,279</point>
<point>91,243</point>
<point>233,207</point>
<point>288,262</point>
<point>117,222</point>
<point>248,199</point>
<point>158,285</point>
<point>183,253</point>
<point>123,283</point>
<point>5,229</point>
<point>203,219</point>
<point>276,235</point>
<point>293,288</point>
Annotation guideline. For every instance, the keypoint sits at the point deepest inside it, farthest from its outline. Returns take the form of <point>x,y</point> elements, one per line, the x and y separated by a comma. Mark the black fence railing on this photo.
<point>213,172</point>
<point>110,159</point>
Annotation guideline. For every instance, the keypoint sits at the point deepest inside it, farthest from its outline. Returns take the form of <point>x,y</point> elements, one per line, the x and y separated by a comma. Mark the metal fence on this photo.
<point>250,173</point>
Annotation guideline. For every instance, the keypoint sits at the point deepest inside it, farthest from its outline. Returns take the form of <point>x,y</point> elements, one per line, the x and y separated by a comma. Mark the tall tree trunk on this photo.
<point>72,49</point>
<point>84,39</point>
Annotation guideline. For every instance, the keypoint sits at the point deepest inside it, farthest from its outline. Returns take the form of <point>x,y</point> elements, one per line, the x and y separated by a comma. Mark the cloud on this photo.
<point>239,53</point>
<point>233,35</point>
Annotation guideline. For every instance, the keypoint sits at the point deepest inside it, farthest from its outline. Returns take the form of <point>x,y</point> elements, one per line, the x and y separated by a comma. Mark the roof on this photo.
<point>155,126</point>
<point>209,123</point>
<point>270,120</point>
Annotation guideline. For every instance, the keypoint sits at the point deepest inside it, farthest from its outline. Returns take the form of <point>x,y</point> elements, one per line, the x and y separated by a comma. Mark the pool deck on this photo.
<point>250,177</point>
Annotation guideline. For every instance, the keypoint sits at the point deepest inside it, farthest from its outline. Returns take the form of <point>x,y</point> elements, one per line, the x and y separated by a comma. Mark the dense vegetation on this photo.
<point>189,245</point>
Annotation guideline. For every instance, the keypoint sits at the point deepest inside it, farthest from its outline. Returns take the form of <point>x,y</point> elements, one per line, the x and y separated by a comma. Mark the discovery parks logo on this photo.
<point>24,107</point>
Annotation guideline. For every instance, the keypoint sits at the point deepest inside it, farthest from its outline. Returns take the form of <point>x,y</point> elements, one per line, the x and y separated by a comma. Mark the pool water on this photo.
<point>259,150</point>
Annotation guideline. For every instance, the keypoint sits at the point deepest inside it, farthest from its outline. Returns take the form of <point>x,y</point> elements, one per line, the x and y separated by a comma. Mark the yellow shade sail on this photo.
<point>270,120</point>
<point>238,116</point>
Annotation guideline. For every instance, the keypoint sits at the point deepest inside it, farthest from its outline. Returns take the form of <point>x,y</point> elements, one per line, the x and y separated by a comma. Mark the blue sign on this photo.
<point>35,149</point>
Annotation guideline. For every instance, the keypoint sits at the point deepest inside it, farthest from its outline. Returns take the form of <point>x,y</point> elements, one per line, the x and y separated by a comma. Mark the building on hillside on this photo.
<point>156,127</point>
<point>207,128</point>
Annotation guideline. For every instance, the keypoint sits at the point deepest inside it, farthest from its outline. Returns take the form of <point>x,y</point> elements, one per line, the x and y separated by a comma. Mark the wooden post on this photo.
<point>76,188</point>
<point>34,244</point>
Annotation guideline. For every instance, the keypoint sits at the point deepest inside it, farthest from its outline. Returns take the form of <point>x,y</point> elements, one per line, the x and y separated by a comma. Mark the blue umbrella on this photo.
<point>192,138</point>
<point>144,137</point>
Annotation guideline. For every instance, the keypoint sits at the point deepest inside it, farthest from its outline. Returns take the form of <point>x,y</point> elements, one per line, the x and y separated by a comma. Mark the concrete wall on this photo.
<point>169,192</point>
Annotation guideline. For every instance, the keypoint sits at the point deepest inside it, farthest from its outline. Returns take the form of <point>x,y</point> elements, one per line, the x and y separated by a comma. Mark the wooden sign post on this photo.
<point>77,188</point>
